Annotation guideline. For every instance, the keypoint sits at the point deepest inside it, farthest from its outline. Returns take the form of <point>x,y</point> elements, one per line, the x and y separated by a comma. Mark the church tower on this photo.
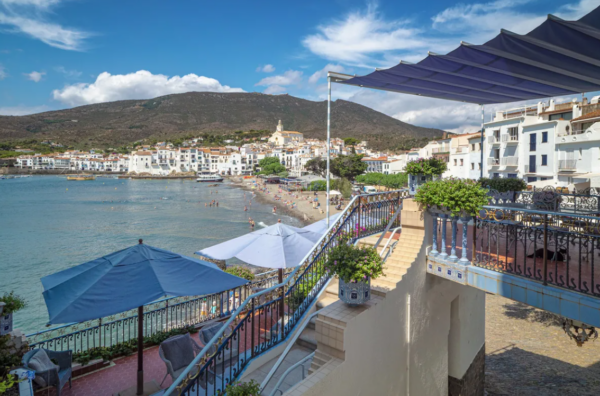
<point>280,127</point>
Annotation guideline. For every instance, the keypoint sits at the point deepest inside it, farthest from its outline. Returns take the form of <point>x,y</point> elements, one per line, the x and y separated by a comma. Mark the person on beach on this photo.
<point>279,220</point>
<point>205,204</point>
<point>274,209</point>
<point>217,204</point>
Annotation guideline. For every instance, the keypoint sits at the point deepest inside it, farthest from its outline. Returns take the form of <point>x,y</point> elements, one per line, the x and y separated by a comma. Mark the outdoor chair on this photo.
<point>178,352</point>
<point>207,333</point>
<point>46,372</point>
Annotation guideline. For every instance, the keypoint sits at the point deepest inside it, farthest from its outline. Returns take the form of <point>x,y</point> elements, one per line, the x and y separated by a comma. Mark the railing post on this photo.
<point>545,249</point>
<point>100,333</point>
<point>167,315</point>
<point>465,223</point>
<point>434,250</point>
<point>474,238</point>
<point>359,211</point>
<point>443,247</point>
<point>454,223</point>
<point>252,329</point>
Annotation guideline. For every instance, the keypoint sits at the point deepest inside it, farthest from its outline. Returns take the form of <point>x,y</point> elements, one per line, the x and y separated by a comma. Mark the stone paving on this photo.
<point>528,353</point>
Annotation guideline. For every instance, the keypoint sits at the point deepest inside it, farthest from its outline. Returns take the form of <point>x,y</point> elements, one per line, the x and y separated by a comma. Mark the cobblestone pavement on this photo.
<point>528,353</point>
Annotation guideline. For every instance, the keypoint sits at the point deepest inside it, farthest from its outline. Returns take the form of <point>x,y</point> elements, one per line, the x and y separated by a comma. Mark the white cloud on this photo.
<point>23,110</point>
<point>290,77</point>
<point>323,72</point>
<point>139,85</point>
<point>28,17</point>
<point>67,73</point>
<point>35,76</point>
<point>3,73</point>
<point>274,89</point>
<point>266,69</point>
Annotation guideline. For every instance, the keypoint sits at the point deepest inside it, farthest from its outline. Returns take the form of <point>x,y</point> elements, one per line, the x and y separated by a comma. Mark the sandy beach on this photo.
<point>303,209</point>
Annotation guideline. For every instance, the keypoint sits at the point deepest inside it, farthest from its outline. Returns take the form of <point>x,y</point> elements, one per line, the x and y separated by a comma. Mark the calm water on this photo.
<point>48,224</point>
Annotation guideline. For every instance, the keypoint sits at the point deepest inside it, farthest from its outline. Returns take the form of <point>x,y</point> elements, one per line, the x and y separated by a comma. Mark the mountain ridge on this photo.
<point>171,116</point>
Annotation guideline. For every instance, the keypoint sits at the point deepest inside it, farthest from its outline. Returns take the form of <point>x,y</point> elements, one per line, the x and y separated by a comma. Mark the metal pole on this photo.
<point>140,373</point>
<point>481,144</point>
<point>328,141</point>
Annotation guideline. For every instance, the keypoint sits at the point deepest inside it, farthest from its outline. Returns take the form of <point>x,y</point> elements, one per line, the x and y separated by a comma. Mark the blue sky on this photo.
<point>57,54</point>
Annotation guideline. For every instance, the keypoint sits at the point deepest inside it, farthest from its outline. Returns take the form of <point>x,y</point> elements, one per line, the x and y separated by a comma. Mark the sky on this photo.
<point>57,54</point>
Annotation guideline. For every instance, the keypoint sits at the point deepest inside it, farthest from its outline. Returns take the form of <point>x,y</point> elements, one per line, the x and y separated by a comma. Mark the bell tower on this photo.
<point>280,127</point>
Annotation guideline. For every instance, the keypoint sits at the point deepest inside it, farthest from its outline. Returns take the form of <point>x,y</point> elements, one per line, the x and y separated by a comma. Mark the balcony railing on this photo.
<point>440,150</point>
<point>459,150</point>
<point>509,161</point>
<point>567,164</point>
<point>506,138</point>
<point>494,140</point>
<point>279,308</point>
<point>493,162</point>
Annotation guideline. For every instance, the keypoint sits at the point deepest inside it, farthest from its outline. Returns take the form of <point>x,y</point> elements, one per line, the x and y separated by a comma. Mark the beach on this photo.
<point>303,210</point>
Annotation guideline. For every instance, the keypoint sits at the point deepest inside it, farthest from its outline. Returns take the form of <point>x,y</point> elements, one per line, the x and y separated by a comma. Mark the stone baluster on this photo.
<point>454,221</point>
<point>434,218</point>
<point>443,247</point>
<point>465,223</point>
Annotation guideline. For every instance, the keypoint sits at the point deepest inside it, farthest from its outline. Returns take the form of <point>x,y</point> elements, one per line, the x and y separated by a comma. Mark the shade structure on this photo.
<point>557,58</point>
<point>128,279</point>
<point>320,227</point>
<point>277,246</point>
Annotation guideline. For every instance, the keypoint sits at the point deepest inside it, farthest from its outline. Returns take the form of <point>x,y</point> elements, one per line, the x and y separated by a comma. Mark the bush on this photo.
<point>426,166</point>
<point>455,195</point>
<point>503,185</point>
<point>395,181</point>
<point>342,185</point>
<point>251,388</point>
<point>241,272</point>
<point>354,264</point>
<point>318,185</point>
<point>13,302</point>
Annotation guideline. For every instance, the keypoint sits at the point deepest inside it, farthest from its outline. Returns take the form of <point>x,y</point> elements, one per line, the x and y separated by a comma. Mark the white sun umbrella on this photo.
<point>334,192</point>
<point>320,227</point>
<point>277,246</point>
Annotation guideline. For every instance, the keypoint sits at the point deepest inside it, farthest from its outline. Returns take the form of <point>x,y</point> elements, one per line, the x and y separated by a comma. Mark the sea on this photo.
<point>48,224</point>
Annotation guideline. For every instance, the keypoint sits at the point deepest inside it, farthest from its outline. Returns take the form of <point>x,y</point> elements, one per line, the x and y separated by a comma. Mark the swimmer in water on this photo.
<point>245,208</point>
<point>205,204</point>
<point>279,220</point>
<point>217,204</point>
<point>274,209</point>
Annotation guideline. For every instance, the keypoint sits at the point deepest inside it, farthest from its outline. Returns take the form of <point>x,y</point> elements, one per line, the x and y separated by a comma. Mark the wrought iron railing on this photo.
<point>567,164</point>
<point>160,316</point>
<point>266,318</point>
<point>550,247</point>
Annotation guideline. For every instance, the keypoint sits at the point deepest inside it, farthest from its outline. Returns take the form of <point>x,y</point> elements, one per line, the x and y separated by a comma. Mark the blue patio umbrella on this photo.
<point>128,279</point>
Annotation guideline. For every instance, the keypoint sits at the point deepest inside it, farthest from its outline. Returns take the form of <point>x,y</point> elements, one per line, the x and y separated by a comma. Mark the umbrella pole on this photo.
<point>140,373</point>
<point>281,307</point>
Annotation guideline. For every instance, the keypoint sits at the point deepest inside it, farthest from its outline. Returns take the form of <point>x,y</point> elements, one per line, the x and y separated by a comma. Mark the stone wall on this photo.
<point>472,383</point>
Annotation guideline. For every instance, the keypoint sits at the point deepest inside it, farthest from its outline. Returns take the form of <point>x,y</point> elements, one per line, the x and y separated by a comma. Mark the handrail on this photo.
<point>200,359</point>
<point>396,214</point>
<point>292,342</point>
<point>289,370</point>
<point>389,240</point>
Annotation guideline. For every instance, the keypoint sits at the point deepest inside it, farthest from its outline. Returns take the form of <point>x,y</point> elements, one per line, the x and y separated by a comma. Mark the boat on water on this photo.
<point>204,177</point>
<point>81,177</point>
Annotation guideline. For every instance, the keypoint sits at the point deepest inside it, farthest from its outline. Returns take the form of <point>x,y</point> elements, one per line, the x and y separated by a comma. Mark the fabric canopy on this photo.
<point>557,58</point>
<point>128,279</point>
<point>276,246</point>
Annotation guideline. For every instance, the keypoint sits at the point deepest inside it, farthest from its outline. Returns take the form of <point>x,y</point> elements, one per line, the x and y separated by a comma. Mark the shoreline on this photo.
<point>303,211</point>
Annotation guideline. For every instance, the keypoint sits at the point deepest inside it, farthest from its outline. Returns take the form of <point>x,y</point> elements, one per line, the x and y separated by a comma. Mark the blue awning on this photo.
<point>557,58</point>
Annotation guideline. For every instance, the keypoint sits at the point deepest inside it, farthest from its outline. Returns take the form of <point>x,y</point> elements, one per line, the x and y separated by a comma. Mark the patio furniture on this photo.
<point>208,332</point>
<point>46,372</point>
<point>177,352</point>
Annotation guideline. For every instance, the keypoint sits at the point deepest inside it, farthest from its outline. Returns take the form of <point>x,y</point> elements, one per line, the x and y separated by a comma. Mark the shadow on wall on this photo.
<point>514,371</point>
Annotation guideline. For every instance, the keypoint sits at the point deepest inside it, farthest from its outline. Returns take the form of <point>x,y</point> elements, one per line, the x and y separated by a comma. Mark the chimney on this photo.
<point>540,107</point>
<point>551,107</point>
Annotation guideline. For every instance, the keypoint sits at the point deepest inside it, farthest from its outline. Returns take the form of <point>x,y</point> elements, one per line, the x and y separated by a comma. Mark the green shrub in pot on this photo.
<point>457,196</point>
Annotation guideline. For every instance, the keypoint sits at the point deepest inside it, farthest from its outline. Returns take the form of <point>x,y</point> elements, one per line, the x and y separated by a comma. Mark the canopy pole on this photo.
<point>328,141</point>
<point>140,373</point>
<point>481,141</point>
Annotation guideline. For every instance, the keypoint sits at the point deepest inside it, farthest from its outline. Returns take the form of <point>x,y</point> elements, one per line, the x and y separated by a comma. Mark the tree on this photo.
<point>348,166</point>
<point>270,166</point>
<point>317,166</point>
<point>351,142</point>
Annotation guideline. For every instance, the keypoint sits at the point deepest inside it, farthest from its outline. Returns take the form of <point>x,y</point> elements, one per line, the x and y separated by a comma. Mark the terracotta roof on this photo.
<point>587,116</point>
<point>557,111</point>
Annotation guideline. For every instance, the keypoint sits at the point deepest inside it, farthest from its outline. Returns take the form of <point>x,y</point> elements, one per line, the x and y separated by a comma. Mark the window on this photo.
<point>473,147</point>
<point>568,115</point>
<point>532,141</point>
<point>479,166</point>
<point>461,162</point>
<point>544,137</point>
<point>580,153</point>
<point>454,162</point>
<point>532,163</point>
<point>472,165</point>
<point>544,160</point>
<point>531,179</point>
<point>512,176</point>
<point>543,178</point>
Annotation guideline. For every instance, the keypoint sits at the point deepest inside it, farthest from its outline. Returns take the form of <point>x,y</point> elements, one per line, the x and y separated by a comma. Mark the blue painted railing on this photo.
<point>265,319</point>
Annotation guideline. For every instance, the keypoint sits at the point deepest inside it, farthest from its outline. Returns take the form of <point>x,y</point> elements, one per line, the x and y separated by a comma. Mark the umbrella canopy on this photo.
<point>276,246</point>
<point>334,192</point>
<point>320,227</point>
<point>128,279</point>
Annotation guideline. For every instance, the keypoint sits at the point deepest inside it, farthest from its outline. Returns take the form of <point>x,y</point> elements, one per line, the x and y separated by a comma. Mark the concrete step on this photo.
<point>311,324</point>
<point>308,339</point>
<point>385,282</point>
<point>380,291</point>
<point>392,262</point>
<point>395,271</point>
<point>325,301</point>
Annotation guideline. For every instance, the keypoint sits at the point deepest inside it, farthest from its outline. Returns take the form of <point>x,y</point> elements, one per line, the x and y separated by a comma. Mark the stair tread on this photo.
<point>325,301</point>
<point>308,338</point>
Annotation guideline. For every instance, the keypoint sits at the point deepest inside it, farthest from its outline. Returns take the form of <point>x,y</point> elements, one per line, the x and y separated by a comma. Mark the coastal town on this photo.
<point>545,144</point>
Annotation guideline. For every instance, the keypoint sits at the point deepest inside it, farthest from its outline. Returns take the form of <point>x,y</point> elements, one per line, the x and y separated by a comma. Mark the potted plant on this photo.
<point>12,304</point>
<point>355,267</point>
<point>423,170</point>
<point>455,197</point>
<point>251,388</point>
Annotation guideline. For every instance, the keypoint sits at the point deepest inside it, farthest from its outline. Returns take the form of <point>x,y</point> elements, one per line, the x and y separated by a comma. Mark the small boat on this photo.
<point>208,177</point>
<point>81,177</point>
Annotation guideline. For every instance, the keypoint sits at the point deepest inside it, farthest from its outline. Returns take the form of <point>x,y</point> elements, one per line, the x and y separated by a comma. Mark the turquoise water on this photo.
<point>48,224</point>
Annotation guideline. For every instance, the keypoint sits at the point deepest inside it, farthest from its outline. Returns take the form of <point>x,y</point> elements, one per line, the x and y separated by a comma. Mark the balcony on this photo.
<point>493,162</point>
<point>459,150</point>
<point>510,139</point>
<point>509,161</point>
<point>567,165</point>
<point>494,139</point>
<point>440,150</point>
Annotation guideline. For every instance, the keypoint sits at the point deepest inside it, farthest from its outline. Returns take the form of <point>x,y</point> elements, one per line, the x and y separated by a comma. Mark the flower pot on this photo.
<point>355,293</point>
<point>6,323</point>
<point>416,181</point>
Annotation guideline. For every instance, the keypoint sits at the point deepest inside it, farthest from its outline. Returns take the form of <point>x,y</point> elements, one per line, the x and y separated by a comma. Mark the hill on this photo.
<point>172,116</point>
